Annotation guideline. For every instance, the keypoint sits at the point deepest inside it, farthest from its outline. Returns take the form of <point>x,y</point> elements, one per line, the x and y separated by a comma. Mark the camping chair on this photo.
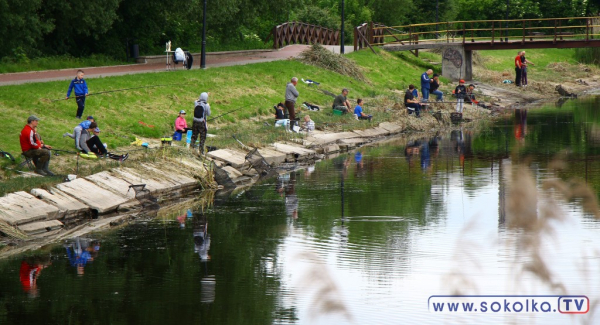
<point>26,162</point>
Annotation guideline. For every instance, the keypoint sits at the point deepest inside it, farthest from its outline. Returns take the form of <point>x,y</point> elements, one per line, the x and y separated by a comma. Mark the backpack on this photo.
<point>199,112</point>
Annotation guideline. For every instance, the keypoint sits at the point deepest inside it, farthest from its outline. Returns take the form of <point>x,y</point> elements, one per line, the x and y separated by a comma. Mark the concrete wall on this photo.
<point>457,63</point>
<point>152,59</point>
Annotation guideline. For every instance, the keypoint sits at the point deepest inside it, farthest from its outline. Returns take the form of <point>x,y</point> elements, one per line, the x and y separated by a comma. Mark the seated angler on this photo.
<point>411,103</point>
<point>341,102</point>
<point>33,148</point>
<point>358,111</point>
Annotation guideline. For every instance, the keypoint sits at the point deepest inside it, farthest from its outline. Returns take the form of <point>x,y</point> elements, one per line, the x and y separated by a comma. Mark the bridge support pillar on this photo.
<point>457,63</point>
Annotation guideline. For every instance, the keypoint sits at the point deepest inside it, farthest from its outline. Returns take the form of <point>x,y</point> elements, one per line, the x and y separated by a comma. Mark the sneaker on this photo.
<point>78,117</point>
<point>40,172</point>
<point>49,173</point>
<point>66,134</point>
<point>124,157</point>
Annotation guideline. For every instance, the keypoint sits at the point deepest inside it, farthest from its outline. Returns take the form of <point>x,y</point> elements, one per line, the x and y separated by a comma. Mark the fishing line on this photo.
<point>118,90</point>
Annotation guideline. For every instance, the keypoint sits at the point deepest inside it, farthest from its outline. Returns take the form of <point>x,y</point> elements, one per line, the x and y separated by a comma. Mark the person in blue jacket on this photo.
<point>81,90</point>
<point>426,84</point>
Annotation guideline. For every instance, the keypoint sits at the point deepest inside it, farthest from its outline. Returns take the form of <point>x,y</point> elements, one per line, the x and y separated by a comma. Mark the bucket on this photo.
<point>337,112</point>
<point>177,136</point>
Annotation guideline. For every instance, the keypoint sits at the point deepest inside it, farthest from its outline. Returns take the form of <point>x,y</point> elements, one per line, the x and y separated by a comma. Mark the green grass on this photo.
<point>10,65</point>
<point>503,60</point>
<point>255,88</point>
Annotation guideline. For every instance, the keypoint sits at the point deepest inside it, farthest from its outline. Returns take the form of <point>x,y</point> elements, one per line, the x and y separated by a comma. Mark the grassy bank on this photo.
<point>254,88</point>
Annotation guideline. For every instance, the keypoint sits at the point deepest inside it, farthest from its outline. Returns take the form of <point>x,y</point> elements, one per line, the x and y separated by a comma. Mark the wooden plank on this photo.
<point>391,127</point>
<point>273,157</point>
<point>229,156</point>
<point>114,184</point>
<point>96,197</point>
<point>40,227</point>
<point>68,206</point>
<point>21,207</point>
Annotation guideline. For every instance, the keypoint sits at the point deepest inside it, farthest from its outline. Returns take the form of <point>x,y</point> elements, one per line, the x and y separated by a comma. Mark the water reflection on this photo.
<point>81,251</point>
<point>30,270</point>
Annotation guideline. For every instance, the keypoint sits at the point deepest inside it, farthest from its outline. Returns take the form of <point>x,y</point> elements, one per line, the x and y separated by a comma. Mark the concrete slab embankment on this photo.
<point>45,212</point>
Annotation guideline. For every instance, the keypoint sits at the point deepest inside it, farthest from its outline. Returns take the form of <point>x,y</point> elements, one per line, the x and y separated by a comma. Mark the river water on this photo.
<point>363,238</point>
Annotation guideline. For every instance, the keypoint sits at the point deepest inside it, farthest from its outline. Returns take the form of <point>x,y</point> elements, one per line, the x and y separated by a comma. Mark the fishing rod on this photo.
<point>117,90</point>
<point>216,117</point>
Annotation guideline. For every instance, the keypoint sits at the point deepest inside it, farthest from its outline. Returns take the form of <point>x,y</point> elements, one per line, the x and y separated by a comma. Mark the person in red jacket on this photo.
<point>33,148</point>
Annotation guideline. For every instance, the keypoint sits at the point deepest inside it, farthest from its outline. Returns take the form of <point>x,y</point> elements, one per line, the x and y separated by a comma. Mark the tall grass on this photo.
<point>590,55</point>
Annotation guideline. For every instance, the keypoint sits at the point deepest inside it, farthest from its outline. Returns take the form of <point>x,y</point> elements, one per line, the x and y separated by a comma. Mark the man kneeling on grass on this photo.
<point>341,102</point>
<point>34,149</point>
<point>359,112</point>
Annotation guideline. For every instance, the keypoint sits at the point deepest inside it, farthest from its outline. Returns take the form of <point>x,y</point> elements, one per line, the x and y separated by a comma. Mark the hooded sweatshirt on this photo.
<point>201,108</point>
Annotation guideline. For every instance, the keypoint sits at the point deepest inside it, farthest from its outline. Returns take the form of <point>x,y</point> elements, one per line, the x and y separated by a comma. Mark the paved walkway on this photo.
<point>96,72</point>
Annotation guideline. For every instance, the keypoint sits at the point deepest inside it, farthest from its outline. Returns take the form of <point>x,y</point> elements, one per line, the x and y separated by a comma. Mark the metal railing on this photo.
<point>492,31</point>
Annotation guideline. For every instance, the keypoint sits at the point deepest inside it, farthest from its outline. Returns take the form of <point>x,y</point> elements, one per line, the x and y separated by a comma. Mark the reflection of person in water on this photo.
<point>458,139</point>
<point>520,124</point>
<point>291,198</point>
<point>81,251</point>
<point>427,149</point>
<point>29,273</point>
<point>201,236</point>
<point>412,148</point>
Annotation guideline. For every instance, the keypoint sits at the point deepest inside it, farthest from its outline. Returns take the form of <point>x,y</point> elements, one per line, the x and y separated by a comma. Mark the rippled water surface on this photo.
<point>363,238</point>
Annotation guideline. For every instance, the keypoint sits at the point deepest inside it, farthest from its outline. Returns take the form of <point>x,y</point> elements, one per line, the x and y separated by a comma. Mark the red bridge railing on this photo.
<point>303,33</point>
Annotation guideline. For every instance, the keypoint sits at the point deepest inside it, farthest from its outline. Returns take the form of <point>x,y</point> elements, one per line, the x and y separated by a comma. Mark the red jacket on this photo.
<point>28,139</point>
<point>518,61</point>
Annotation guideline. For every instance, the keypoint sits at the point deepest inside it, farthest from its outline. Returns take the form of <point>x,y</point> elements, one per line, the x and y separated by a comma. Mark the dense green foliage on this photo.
<point>34,28</point>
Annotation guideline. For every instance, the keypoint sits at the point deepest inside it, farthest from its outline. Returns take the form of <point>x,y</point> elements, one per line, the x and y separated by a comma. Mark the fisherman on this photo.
<point>341,102</point>
<point>77,131</point>
<point>199,127</point>
<point>34,149</point>
<point>410,102</point>
<point>518,69</point>
<point>358,111</point>
<point>81,91</point>
<point>426,84</point>
<point>180,123</point>
<point>524,64</point>
<point>291,95</point>
<point>435,85</point>
<point>470,96</point>
<point>460,92</point>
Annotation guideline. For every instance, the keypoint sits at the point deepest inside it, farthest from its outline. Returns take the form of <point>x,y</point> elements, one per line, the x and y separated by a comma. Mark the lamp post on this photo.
<point>342,31</point>
<point>437,18</point>
<point>506,32</point>
<point>203,55</point>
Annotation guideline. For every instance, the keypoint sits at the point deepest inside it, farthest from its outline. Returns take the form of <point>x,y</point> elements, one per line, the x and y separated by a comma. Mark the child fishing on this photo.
<point>81,90</point>
<point>460,92</point>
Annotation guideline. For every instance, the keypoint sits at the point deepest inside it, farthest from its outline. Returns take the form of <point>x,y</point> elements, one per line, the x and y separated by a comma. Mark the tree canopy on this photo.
<point>32,28</point>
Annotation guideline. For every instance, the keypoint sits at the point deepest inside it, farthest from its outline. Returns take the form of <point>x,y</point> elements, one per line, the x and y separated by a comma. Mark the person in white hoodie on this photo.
<point>199,127</point>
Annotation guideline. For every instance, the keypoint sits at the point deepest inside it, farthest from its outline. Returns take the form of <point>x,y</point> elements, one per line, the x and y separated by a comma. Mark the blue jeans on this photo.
<point>439,95</point>
<point>425,92</point>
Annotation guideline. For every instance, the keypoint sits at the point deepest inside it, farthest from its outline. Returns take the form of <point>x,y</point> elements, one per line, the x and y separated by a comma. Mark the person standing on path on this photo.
<point>81,90</point>
<point>291,95</point>
<point>426,84</point>
<point>518,69</point>
<point>199,127</point>
<point>524,64</point>
<point>34,149</point>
